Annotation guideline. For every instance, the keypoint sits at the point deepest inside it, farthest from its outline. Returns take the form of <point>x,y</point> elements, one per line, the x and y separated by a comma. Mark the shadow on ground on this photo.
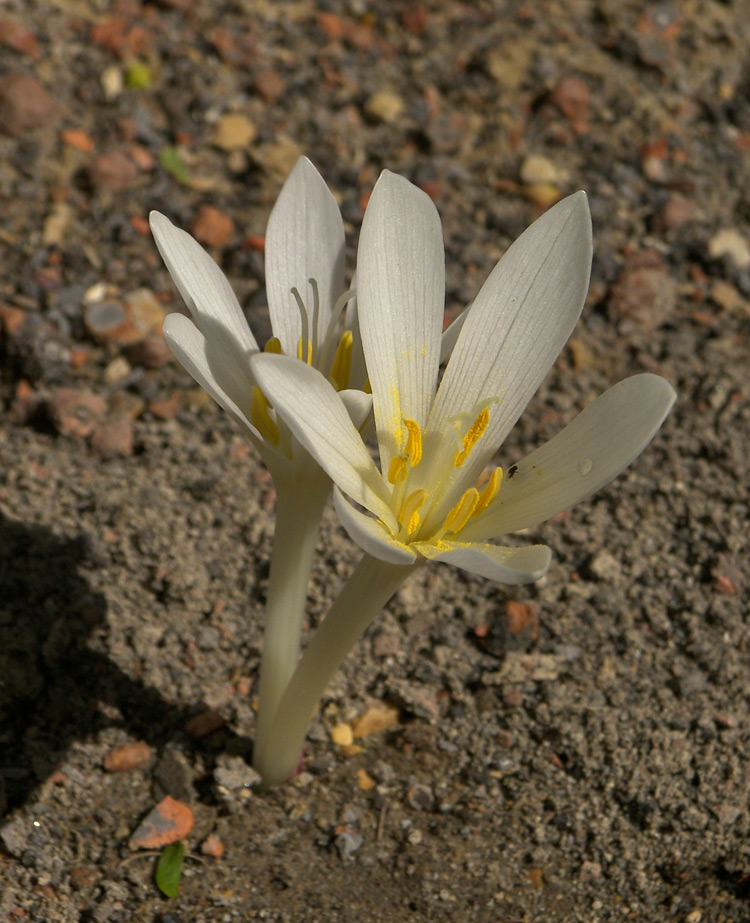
<point>55,688</point>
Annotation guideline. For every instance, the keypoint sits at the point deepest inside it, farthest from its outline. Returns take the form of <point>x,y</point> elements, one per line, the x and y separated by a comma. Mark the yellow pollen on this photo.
<point>490,491</point>
<point>261,418</point>
<point>342,362</point>
<point>409,516</point>
<point>308,356</point>
<point>397,469</point>
<point>413,442</point>
<point>472,437</point>
<point>273,346</point>
<point>462,511</point>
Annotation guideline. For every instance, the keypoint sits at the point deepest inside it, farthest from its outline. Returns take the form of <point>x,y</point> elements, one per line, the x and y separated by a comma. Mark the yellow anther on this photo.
<point>414,442</point>
<point>308,357</point>
<point>409,515</point>
<point>472,437</point>
<point>461,512</point>
<point>261,418</point>
<point>342,362</point>
<point>490,491</point>
<point>273,346</point>
<point>397,469</point>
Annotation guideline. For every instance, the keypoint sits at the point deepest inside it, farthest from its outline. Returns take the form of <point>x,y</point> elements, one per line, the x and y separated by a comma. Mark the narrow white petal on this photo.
<point>602,440</point>
<point>518,323</point>
<point>304,240</point>
<point>450,335</point>
<point>400,300</point>
<point>497,562</point>
<point>370,534</point>
<point>316,415</point>
<point>212,367</point>
<point>203,286</point>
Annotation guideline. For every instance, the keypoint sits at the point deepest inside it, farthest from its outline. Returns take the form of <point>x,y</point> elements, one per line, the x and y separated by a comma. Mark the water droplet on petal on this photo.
<point>585,466</point>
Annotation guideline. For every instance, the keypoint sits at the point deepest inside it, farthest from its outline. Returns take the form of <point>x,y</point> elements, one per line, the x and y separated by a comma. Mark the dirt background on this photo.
<point>573,751</point>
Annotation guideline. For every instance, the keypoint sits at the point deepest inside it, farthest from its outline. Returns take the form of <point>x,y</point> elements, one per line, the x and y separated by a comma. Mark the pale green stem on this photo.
<point>363,596</point>
<point>299,508</point>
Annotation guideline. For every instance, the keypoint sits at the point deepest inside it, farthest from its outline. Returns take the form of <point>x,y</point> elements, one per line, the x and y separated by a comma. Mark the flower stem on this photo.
<point>298,511</point>
<point>369,588</point>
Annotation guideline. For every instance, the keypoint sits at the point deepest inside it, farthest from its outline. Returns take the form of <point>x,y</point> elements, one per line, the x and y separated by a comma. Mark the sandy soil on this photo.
<point>592,764</point>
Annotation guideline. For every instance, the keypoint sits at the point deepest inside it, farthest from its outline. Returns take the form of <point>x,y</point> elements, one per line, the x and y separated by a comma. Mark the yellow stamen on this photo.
<point>309,354</point>
<point>474,434</point>
<point>261,418</point>
<point>409,515</point>
<point>397,469</point>
<point>461,512</point>
<point>342,362</point>
<point>413,442</point>
<point>273,346</point>
<point>490,491</point>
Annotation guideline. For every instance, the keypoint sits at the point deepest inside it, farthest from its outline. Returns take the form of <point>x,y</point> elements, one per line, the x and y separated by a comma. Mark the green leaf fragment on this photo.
<point>169,869</point>
<point>138,76</point>
<point>170,159</point>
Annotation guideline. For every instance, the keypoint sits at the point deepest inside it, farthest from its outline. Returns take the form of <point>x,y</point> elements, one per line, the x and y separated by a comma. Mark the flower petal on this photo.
<point>203,286</point>
<point>450,335</point>
<point>495,562</point>
<point>316,415</point>
<point>212,367</point>
<point>400,299</point>
<point>304,240</point>
<point>370,534</point>
<point>358,405</point>
<point>592,450</point>
<point>517,325</point>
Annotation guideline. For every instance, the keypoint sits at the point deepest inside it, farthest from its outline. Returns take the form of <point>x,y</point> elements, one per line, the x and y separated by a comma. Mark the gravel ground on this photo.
<point>577,750</point>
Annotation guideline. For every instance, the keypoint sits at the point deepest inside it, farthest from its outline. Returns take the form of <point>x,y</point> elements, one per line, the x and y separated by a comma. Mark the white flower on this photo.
<point>436,438</point>
<point>306,296</point>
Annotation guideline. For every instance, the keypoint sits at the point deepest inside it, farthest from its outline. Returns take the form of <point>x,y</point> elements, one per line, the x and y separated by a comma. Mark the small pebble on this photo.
<point>212,227</point>
<point>127,757</point>
<point>169,822</point>
<point>24,104</point>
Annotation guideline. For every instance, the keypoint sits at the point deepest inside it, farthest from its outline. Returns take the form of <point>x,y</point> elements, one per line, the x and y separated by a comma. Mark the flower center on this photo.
<point>413,507</point>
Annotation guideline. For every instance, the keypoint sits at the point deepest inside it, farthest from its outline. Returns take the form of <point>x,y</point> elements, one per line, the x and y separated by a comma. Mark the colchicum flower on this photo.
<point>431,497</point>
<point>306,299</point>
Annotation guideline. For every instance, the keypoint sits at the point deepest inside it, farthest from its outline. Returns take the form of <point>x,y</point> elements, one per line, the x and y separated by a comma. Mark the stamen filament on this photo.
<point>330,334</point>
<point>305,338</point>
<point>316,313</point>
<point>309,351</point>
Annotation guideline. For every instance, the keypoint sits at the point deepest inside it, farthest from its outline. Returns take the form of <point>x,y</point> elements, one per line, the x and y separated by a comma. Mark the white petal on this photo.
<point>370,534</point>
<point>203,286</point>
<point>304,240</point>
<point>358,405</point>
<point>495,562</point>
<point>214,369</point>
<point>517,325</point>
<point>400,300</point>
<point>592,450</point>
<point>315,413</point>
<point>450,335</point>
